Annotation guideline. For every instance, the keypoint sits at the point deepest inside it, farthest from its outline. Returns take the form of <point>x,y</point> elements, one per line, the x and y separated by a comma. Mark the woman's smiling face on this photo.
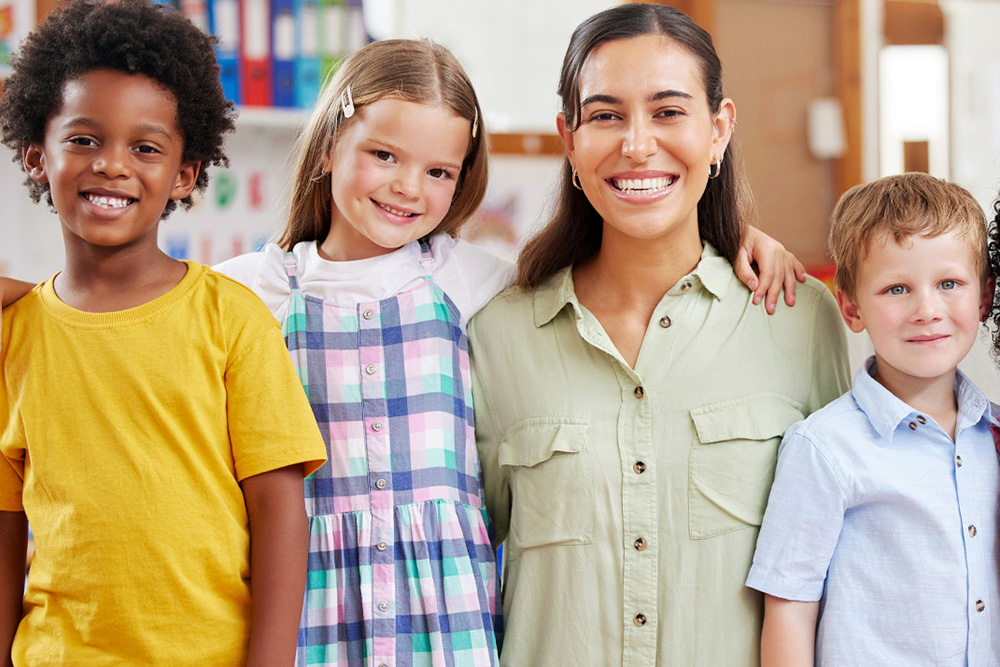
<point>646,137</point>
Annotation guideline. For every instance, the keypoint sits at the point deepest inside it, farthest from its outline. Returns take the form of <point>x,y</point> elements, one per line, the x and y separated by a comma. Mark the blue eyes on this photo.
<point>948,284</point>
<point>896,290</point>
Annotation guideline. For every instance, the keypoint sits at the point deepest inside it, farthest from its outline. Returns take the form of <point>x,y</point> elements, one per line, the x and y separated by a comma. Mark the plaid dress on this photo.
<point>401,571</point>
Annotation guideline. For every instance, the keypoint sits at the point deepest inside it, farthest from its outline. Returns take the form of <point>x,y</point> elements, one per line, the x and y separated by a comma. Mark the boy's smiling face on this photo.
<point>112,159</point>
<point>921,302</point>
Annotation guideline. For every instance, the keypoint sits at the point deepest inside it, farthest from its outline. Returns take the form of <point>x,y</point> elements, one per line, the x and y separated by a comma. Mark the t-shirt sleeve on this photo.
<point>271,424</point>
<point>802,523</point>
<point>470,275</point>
<point>264,273</point>
<point>13,443</point>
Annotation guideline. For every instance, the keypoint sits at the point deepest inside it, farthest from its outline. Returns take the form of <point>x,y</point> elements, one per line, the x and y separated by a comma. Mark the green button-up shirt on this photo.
<point>629,500</point>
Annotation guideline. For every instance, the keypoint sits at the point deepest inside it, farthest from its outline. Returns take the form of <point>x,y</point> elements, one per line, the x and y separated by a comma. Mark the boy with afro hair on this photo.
<point>152,428</point>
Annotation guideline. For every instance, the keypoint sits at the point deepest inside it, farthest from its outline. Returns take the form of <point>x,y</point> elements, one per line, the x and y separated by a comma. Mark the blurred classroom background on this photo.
<point>829,93</point>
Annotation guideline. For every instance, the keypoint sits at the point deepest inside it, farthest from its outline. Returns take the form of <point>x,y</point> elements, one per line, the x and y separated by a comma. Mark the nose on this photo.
<point>407,183</point>
<point>928,306</point>
<point>639,142</point>
<point>113,161</point>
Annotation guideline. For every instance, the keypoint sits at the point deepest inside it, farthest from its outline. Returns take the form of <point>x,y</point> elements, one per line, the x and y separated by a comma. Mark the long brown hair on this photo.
<point>412,70</point>
<point>573,234</point>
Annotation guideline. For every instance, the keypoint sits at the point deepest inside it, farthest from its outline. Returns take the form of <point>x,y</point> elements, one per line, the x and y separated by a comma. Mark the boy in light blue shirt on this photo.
<point>879,545</point>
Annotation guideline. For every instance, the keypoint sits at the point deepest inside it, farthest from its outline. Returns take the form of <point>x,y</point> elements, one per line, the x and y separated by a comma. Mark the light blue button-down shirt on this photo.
<point>878,514</point>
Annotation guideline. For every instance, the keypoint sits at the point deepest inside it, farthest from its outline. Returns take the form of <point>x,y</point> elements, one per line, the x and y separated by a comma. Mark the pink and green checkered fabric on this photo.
<point>401,571</point>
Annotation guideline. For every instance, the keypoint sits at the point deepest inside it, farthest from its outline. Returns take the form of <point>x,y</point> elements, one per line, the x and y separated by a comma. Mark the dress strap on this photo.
<point>291,269</point>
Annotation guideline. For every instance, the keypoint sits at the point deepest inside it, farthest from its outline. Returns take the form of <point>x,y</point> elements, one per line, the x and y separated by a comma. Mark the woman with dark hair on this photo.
<point>630,395</point>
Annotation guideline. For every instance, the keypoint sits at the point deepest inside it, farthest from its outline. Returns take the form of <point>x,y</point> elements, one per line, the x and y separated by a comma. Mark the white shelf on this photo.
<point>270,118</point>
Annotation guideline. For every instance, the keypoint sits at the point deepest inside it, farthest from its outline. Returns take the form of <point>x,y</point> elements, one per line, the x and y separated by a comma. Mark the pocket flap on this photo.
<point>529,443</point>
<point>757,417</point>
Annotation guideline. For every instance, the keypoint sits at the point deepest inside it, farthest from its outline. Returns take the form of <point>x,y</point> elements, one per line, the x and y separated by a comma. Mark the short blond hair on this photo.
<point>898,207</point>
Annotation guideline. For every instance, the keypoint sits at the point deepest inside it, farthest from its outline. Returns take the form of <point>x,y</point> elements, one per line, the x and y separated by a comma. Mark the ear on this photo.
<point>722,126</point>
<point>566,134</point>
<point>850,312</point>
<point>186,179</point>
<point>986,303</point>
<point>33,159</point>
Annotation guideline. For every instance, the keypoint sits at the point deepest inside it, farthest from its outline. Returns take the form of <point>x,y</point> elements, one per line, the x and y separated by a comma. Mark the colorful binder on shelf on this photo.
<point>255,56</point>
<point>224,23</point>
<point>307,67</point>
<point>332,35</point>
<point>356,35</point>
<point>283,38</point>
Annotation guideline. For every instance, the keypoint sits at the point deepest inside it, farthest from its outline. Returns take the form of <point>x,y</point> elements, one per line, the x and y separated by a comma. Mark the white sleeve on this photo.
<point>468,274</point>
<point>264,273</point>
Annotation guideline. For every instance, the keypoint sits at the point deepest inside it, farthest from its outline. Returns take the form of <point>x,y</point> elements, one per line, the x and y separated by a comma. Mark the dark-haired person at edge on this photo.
<point>630,395</point>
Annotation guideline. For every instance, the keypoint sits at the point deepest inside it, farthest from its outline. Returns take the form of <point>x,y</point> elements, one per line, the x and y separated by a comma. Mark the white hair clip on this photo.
<point>475,123</point>
<point>347,102</point>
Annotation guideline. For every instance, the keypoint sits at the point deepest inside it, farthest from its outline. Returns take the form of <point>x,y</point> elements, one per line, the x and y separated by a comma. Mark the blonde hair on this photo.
<point>901,206</point>
<point>411,70</point>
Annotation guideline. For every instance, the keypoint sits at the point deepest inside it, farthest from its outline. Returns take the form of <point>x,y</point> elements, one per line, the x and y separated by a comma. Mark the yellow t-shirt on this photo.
<point>124,437</point>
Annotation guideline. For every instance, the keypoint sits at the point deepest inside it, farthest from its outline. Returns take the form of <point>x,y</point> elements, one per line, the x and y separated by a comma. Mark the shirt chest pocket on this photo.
<point>551,484</point>
<point>732,461</point>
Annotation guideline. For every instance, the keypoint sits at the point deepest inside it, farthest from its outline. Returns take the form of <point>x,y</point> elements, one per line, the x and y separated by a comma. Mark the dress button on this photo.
<point>640,620</point>
<point>686,286</point>
<point>972,531</point>
<point>980,605</point>
<point>370,369</point>
<point>665,322</point>
<point>376,426</point>
<point>639,393</point>
<point>379,483</point>
<point>383,606</point>
<point>958,461</point>
<point>913,427</point>
<point>381,546</point>
<point>639,467</point>
<point>639,544</point>
<point>368,314</point>
<point>921,419</point>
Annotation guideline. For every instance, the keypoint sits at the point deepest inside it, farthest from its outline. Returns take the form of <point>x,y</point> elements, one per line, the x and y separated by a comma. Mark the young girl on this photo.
<point>374,294</point>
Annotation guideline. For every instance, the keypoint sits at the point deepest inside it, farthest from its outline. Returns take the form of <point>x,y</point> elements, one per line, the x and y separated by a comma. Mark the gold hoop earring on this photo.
<point>715,169</point>
<point>575,180</point>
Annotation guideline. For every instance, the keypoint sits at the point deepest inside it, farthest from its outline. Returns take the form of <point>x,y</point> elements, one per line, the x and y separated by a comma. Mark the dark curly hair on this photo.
<point>995,272</point>
<point>131,36</point>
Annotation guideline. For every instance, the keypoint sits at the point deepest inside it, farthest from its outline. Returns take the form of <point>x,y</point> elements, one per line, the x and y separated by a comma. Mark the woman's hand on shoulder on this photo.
<point>779,269</point>
<point>11,290</point>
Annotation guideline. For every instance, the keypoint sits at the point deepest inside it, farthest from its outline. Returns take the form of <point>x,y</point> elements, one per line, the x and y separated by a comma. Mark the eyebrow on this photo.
<point>144,128</point>
<point>655,97</point>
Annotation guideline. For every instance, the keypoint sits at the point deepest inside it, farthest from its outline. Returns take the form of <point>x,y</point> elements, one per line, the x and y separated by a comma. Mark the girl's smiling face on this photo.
<point>394,170</point>
<point>646,137</point>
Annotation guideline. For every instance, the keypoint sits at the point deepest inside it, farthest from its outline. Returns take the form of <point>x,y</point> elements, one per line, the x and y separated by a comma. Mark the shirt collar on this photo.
<point>886,411</point>
<point>713,272</point>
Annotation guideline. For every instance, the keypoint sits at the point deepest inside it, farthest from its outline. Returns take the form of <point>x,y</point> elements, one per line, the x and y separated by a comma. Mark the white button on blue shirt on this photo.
<point>877,514</point>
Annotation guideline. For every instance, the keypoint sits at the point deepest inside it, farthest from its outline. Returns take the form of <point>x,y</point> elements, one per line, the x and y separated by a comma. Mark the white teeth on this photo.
<point>395,211</point>
<point>108,202</point>
<point>643,184</point>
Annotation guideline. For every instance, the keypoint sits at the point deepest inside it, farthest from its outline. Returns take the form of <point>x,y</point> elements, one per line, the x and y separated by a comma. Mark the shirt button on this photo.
<point>639,393</point>
<point>921,419</point>
<point>376,426</point>
<point>379,483</point>
<point>665,322</point>
<point>381,546</point>
<point>639,467</point>
<point>972,531</point>
<point>368,314</point>
<point>640,620</point>
<point>639,544</point>
<point>384,664</point>
<point>980,605</point>
<point>958,461</point>
<point>370,369</point>
<point>383,606</point>
<point>913,427</point>
<point>686,286</point>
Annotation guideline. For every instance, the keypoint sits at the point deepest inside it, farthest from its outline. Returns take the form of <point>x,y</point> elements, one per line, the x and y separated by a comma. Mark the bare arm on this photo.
<point>778,269</point>
<point>789,637</point>
<point>11,290</point>
<point>279,545</point>
<point>13,549</point>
